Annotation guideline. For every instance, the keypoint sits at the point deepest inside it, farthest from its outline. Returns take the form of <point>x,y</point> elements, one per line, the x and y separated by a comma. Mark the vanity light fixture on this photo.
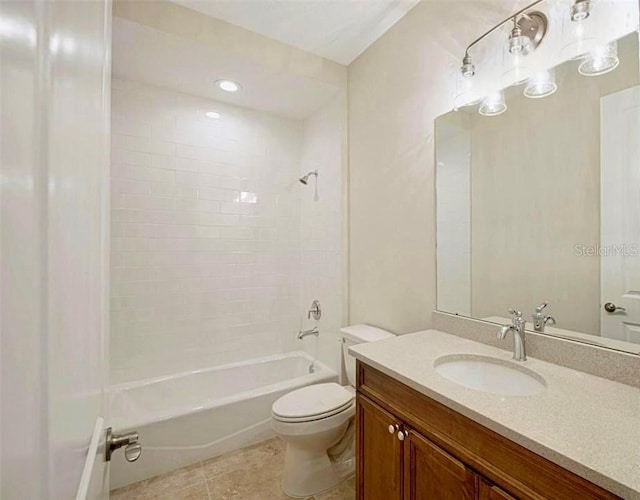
<point>580,10</point>
<point>493,105</point>
<point>213,115</point>
<point>542,84</point>
<point>601,60</point>
<point>228,85</point>
<point>529,29</point>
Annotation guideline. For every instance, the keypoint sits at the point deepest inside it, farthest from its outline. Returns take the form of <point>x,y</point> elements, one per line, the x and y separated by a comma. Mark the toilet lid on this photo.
<point>312,401</point>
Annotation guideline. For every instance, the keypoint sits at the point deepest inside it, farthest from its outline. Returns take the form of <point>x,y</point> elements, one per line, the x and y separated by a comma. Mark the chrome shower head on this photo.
<point>305,180</point>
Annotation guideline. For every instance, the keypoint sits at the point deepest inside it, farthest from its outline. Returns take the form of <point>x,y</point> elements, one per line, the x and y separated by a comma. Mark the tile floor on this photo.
<point>251,473</point>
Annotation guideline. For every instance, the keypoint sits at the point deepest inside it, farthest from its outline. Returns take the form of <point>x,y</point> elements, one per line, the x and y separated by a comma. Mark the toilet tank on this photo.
<point>358,334</point>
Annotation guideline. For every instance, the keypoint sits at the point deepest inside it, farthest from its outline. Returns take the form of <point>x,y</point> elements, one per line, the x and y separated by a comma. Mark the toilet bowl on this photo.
<point>313,419</point>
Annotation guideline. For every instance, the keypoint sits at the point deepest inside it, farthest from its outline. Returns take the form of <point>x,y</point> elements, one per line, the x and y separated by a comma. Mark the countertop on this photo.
<point>586,424</point>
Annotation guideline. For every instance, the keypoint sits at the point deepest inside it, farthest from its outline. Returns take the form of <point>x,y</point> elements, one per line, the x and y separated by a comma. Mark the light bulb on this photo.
<point>541,84</point>
<point>228,85</point>
<point>468,69</point>
<point>518,43</point>
<point>601,60</point>
<point>494,104</point>
<point>580,10</point>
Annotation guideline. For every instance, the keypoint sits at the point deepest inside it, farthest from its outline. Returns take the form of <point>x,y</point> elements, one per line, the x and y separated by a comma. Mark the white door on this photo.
<point>54,98</point>
<point>620,217</point>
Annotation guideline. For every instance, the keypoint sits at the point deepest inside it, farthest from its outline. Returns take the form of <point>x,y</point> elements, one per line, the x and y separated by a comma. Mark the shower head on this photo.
<point>305,180</point>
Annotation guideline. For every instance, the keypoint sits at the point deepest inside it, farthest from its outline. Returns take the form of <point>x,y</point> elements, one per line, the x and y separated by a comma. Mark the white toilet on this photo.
<point>313,419</point>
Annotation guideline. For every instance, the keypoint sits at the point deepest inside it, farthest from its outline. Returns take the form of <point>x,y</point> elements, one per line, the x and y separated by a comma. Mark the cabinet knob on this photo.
<point>393,428</point>
<point>402,435</point>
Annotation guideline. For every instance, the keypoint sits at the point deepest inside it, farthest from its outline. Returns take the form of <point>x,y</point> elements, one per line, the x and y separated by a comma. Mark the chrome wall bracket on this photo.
<point>534,26</point>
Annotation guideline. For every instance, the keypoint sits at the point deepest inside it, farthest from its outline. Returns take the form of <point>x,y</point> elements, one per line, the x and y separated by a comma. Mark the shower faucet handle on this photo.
<point>315,312</point>
<point>130,442</point>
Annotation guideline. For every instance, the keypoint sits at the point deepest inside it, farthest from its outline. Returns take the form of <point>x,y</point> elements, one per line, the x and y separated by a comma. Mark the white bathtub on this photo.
<point>197,415</point>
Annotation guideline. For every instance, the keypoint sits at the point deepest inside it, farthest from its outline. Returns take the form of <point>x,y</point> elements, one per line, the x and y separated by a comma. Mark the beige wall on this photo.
<point>397,88</point>
<point>180,21</point>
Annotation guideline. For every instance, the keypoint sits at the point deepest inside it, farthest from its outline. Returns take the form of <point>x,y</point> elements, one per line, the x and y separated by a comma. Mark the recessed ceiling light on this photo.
<point>228,85</point>
<point>214,115</point>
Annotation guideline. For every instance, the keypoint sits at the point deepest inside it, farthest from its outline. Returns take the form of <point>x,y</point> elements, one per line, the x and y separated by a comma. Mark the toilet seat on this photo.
<point>313,402</point>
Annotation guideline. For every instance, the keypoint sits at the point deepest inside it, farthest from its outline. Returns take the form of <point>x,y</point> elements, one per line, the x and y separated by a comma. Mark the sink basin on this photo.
<point>487,374</point>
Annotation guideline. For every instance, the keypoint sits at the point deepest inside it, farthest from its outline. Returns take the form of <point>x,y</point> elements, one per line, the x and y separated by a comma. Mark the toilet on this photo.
<point>317,424</point>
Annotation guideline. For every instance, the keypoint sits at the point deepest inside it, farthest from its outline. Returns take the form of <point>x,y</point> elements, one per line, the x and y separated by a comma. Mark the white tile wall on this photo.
<point>321,228</point>
<point>206,236</point>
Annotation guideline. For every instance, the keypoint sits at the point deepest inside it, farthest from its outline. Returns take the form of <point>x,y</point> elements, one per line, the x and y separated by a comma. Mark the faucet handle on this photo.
<point>541,307</point>
<point>315,312</point>
<point>515,313</point>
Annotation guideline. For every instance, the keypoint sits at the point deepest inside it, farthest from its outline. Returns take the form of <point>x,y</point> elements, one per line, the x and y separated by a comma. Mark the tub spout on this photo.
<point>305,333</point>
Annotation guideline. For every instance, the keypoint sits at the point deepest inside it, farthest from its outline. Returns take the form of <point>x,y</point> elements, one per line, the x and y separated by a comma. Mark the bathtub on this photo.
<point>193,416</point>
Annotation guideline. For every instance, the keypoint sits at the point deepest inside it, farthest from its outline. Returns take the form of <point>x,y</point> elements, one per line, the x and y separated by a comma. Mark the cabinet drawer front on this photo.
<point>505,463</point>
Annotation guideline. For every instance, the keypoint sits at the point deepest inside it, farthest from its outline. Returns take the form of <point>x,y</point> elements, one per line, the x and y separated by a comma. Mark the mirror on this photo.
<point>541,204</point>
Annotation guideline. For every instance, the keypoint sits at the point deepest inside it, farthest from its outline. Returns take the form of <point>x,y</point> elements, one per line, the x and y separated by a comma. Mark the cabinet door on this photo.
<point>379,459</point>
<point>489,491</point>
<point>432,474</point>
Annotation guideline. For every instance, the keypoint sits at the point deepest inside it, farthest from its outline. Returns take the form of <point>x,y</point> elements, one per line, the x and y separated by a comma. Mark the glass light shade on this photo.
<point>579,37</point>
<point>601,60</point>
<point>494,104</point>
<point>466,91</point>
<point>515,70</point>
<point>541,84</point>
<point>519,45</point>
<point>580,10</point>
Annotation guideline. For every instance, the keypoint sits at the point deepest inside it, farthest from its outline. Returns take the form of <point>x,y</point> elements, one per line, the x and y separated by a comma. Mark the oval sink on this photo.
<point>487,374</point>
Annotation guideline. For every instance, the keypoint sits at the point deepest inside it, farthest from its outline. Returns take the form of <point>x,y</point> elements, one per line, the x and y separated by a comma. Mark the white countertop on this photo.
<point>587,424</point>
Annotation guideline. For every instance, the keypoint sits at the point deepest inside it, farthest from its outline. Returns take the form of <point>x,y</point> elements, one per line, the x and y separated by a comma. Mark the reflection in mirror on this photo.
<point>541,204</point>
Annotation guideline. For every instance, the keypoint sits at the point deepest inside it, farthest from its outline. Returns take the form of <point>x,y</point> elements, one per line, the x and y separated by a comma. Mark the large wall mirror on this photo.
<point>538,204</point>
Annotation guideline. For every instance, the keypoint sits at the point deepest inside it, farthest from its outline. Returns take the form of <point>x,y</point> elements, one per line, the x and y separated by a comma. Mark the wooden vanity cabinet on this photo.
<point>410,447</point>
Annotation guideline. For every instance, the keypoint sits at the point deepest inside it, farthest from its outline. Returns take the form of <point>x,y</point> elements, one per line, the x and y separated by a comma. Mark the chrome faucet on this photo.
<point>305,333</point>
<point>517,327</point>
<point>540,320</point>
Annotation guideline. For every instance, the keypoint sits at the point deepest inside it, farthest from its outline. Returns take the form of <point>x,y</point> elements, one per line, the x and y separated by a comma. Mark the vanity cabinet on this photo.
<point>410,447</point>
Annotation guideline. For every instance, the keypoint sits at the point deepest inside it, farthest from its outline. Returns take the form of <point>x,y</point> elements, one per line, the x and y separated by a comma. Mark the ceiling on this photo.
<point>147,55</point>
<point>336,29</point>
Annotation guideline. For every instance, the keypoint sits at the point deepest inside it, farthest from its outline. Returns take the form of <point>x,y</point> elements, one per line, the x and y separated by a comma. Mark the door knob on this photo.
<point>132,448</point>
<point>393,428</point>
<point>402,435</point>
<point>610,307</point>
